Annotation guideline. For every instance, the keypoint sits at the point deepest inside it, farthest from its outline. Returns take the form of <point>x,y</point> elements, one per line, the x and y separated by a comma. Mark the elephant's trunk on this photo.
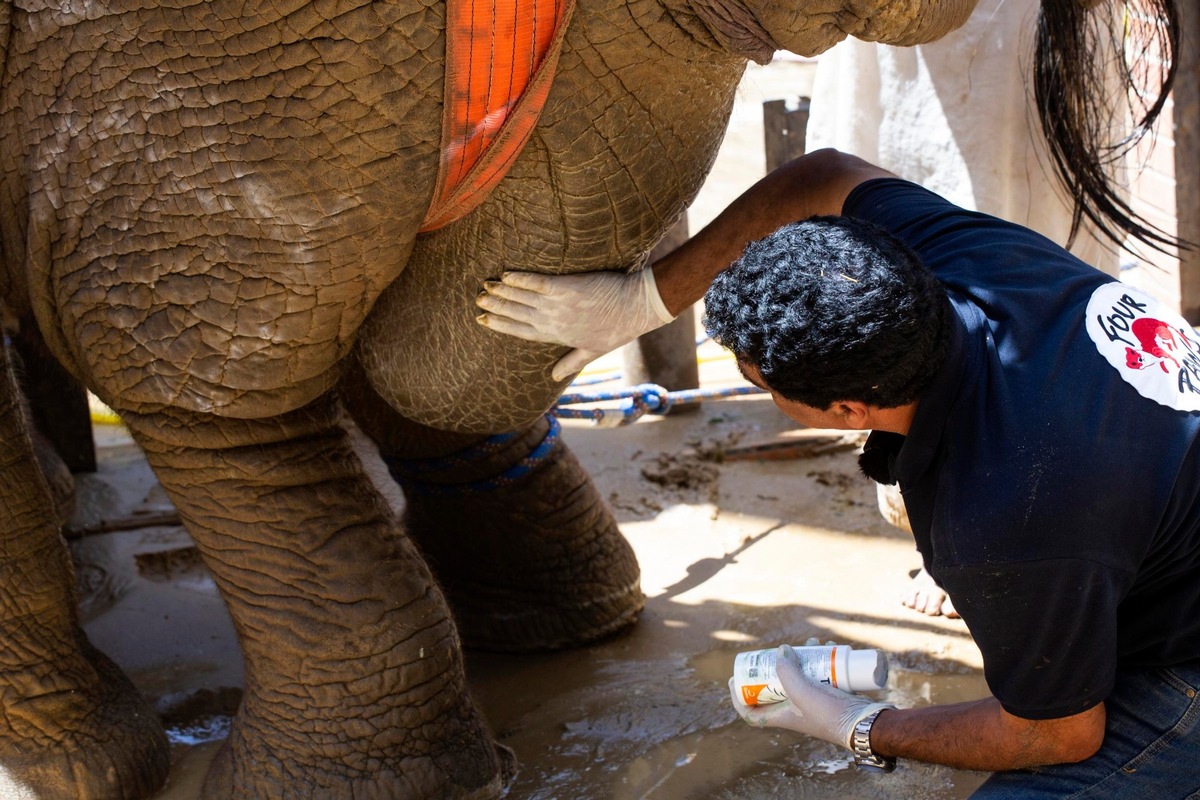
<point>755,29</point>
<point>910,22</point>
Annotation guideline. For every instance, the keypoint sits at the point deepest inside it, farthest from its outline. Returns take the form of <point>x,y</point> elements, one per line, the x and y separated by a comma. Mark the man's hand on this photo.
<point>594,312</point>
<point>812,708</point>
<point>597,312</point>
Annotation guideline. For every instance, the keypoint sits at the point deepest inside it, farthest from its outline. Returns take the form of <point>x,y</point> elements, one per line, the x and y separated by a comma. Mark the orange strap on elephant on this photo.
<point>500,62</point>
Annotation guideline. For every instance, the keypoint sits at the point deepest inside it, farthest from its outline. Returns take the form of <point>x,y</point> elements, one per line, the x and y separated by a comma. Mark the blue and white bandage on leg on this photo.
<point>435,475</point>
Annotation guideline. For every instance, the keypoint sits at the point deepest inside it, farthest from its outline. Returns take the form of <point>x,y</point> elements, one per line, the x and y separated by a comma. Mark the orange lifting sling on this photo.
<point>500,62</point>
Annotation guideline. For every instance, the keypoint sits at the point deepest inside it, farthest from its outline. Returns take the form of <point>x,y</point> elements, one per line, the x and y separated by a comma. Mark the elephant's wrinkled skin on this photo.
<point>209,212</point>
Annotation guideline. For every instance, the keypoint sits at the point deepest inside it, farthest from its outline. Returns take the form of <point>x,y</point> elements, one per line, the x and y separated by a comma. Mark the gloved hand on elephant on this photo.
<point>812,708</point>
<point>593,313</point>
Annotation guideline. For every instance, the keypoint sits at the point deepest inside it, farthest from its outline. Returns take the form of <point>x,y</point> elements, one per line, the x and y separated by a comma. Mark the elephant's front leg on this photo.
<point>71,723</point>
<point>515,531</point>
<point>354,680</point>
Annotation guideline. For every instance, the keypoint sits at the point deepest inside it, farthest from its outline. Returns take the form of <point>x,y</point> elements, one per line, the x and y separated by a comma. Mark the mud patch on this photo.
<point>929,663</point>
<point>638,711</point>
<point>847,486</point>
<point>171,564</point>
<point>96,587</point>
<point>788,446</point>
<point>714,449</point>
<point>799,773</point>
<point>641,508</point>
<point>836,480</point>
<point>680,472</point>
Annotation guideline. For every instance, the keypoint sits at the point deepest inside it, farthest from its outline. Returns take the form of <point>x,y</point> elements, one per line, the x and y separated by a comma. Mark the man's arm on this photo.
<point>814,184</point>
<point>595,312</point>
<point>977,735</point>
<point>1066,639</point>
<point>981,735</point>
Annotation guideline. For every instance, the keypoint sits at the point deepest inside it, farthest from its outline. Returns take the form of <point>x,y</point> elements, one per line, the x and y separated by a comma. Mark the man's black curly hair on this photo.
<point>833,308</point>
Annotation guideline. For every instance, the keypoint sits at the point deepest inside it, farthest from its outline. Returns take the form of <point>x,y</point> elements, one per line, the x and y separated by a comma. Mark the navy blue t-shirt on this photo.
<point>1049,473</point>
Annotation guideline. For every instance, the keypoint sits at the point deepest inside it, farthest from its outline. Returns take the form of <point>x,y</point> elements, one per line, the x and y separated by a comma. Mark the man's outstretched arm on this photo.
<point>981,735</point>
<point>596,312</point>
<point>978,735</point>
<point>815,184</point>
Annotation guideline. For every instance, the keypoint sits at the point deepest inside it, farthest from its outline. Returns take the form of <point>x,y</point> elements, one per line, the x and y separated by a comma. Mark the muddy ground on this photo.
<point>736,554</point>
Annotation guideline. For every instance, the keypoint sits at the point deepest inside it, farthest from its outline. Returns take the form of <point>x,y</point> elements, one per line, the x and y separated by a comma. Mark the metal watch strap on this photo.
<point>860,742</point>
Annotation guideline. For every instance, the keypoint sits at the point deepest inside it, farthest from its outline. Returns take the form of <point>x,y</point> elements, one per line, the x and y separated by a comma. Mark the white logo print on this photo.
<point>1152,347</point>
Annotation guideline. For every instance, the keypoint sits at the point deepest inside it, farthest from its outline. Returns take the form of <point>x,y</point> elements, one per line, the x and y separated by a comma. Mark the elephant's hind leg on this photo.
<point>354,678</point>
<point>527,551</point>
<point>71,723</point>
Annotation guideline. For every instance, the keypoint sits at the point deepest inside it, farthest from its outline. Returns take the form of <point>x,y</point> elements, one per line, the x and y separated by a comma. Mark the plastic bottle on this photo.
<point>836,665</point>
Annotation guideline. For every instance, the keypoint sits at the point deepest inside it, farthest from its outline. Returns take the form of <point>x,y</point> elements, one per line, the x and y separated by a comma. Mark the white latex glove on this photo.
<point>592,312</point>
<point>812,708</point>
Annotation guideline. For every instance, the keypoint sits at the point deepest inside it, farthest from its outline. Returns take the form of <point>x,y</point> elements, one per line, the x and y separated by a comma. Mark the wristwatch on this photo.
<point>860,742</point>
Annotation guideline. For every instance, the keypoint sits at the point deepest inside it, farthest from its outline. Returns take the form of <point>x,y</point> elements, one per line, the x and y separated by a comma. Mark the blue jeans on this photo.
<point>1151,747</point>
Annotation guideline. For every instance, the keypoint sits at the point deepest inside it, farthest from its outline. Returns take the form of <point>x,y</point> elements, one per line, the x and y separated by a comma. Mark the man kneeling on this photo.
<point>1040,419</point>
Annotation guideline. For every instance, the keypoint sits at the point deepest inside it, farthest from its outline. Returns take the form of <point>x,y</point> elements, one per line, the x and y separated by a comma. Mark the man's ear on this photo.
<point>856,414</point>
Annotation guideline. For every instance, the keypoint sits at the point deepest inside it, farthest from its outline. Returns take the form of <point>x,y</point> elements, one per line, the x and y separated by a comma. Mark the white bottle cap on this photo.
<point>867,670</point>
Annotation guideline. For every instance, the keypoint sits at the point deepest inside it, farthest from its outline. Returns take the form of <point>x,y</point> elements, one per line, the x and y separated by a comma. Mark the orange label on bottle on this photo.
<point>750,693</point>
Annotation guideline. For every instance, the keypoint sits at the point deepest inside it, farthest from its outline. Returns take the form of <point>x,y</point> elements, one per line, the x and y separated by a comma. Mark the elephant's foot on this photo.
<point>525,548</point>
<point>78,730</point>
<point>451,758</point>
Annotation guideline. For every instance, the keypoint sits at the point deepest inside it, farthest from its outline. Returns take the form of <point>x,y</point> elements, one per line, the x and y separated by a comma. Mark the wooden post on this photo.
<point>784,124</point>
<point>667,356</point>
<point>1187,161</point>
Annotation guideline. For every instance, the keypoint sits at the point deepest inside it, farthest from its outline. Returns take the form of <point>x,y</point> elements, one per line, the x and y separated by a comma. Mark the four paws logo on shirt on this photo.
<point>1152,347</point>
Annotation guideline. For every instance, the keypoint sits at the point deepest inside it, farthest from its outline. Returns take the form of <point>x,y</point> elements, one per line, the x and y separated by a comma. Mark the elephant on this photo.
<point>211,215</point>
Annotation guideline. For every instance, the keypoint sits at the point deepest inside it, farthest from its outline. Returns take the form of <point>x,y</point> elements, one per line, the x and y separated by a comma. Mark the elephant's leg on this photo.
<point>354,679</point>
<point>71,723</point>
<point>526,549</point>
<point>54,468</point>
<point>58,477</point>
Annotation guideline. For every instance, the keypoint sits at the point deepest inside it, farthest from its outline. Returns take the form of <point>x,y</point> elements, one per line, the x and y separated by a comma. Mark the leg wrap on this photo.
<point>527,552</point>
<point>445,476</point>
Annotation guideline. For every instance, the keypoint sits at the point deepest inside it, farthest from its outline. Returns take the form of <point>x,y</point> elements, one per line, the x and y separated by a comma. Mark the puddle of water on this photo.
<point>193,718</point>
<point>213,729</point>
